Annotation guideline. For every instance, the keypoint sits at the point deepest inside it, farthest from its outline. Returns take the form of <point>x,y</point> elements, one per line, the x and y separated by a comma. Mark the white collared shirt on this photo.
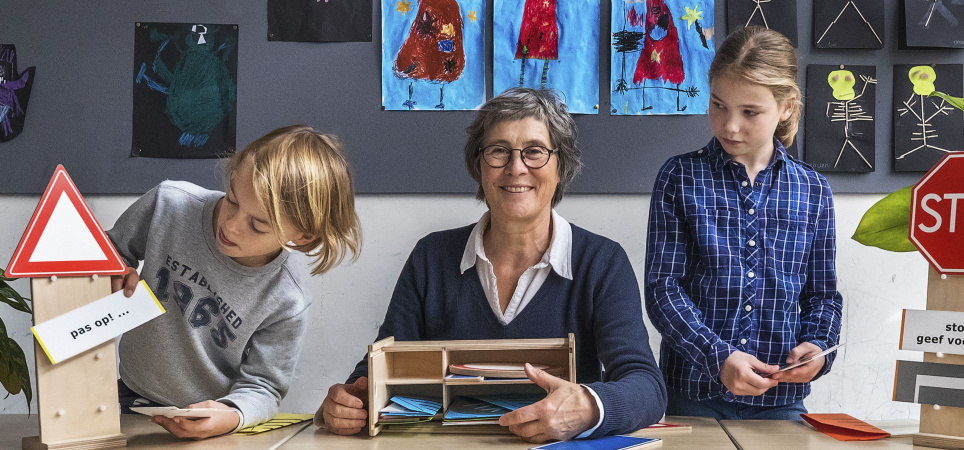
<point>557,258</point>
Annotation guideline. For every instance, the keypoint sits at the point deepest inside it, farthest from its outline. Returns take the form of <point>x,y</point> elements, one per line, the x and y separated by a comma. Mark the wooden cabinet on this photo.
<point>421,368</point>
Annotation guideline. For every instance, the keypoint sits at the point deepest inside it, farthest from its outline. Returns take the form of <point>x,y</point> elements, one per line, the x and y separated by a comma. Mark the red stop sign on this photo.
<point>937,215</point>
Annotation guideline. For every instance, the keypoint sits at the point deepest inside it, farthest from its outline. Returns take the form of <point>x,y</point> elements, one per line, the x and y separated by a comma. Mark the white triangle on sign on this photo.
<point>66,237</point>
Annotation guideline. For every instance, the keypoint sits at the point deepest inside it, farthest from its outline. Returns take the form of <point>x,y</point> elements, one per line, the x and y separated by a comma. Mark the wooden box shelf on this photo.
<point>420,368</point>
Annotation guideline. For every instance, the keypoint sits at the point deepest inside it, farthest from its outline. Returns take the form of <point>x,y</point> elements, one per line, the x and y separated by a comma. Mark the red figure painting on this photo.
<point>539,34</point>
<point>538,37</point>
<point>433,49</point>
<point>660,58</point>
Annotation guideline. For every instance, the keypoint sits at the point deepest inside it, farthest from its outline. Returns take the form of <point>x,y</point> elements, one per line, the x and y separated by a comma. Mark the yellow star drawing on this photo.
<point>472,16</point>
<point>692,15</point>
<point>654,56</point>
<point>403,7</point>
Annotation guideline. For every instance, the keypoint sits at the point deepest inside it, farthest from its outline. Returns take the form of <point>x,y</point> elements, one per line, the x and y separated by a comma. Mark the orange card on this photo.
<point>844,427</point>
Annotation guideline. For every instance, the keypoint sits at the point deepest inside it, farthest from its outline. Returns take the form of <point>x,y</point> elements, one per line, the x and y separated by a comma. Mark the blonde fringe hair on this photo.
<point>764,57</point>
<point>301,175</point>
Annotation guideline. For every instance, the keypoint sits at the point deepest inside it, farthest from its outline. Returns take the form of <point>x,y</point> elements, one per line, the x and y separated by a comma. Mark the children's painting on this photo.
<point>14,93</point>
<point>320,21</point>
<point>926,128</point>
<point>840,117</point>
<point>848,24</point>
<point>933,23</point>
<point>548,44</point>
<point>433,54</point>
<point>661,55</point>
<point>778,15</point>
<point>185,90</point>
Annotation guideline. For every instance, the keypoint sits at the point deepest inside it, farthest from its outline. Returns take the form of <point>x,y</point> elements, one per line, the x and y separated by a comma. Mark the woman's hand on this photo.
<point>741,374</point>
<point>201,428</point>
<point>344,410</point>
<point>805,372</point>
<point>127,282</point>
<point>568,410</point>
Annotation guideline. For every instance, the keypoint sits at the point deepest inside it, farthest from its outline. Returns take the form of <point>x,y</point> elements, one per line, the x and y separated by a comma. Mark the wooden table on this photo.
<point>143,434</point>
<point>798,435</point>
<point>706,434</point>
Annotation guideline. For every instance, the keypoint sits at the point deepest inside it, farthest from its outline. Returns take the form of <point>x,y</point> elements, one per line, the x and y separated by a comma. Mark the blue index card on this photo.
<point>463,408</point>
<point>425,405</point>
<point>606,443</point>
<point>511,402</point>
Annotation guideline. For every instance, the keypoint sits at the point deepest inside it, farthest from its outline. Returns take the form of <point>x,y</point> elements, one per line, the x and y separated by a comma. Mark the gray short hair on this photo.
<point>520,103</point>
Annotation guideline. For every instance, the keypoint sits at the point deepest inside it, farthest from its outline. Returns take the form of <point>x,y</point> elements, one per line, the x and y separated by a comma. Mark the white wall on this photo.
<point>350,301</point>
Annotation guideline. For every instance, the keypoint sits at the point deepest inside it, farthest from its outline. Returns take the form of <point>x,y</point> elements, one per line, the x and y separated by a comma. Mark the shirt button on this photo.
<point>743,341</point>
<point>752,243</point>
<point>699,152</point>
<point>751,274</point>
<point>744,184</point>
<point>752,211</point>
<point>748,308</point>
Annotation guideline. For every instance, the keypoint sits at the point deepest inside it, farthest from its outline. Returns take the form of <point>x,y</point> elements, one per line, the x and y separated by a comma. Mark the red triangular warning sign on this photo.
<point>63,237</point>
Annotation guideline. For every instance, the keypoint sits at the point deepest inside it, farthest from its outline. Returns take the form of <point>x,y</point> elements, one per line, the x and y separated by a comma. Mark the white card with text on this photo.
<point>932,331</point>
<point>97,322</point>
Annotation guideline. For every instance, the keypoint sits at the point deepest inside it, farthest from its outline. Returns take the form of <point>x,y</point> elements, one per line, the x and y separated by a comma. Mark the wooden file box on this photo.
<point>420,367</point>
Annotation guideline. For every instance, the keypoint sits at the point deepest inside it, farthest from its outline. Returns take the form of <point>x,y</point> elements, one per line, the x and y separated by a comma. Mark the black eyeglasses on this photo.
<point>533,156</point>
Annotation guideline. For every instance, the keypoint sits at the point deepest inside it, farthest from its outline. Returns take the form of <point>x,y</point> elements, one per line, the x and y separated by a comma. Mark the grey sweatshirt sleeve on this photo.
<point>130,231</point>
<point>268,368</point>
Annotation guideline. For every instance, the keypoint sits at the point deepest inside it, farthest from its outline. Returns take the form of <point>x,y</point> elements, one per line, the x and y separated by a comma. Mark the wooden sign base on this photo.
<point>77,398</point>
<point>110,441</point>
<point>944,427</point>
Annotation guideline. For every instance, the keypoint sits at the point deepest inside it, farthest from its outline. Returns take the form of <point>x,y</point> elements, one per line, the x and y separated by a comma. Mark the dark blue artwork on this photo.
<point>185,90</point>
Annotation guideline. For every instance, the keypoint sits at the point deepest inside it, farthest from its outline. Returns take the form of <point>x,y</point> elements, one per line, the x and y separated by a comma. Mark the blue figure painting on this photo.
<point>548,44</point>
<point>661,55</point>
<point>185,90</point>
<point>432,54</point>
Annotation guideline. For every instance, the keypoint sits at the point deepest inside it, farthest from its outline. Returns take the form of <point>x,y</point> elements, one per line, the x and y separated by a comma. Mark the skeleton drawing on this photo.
<point>849,3</point>
<point>758,7</point>
<point>847,110</point>
<point>923,78</point>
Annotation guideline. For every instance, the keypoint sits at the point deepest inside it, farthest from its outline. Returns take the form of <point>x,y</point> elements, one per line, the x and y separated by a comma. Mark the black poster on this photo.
<point>926,128</point>
<point>933,23</point>
<point>320,20</point>
<point>778,15</point>
<point>185,90</point>
<point>14,93</point>
<point>840,117</point>
<point>848,24</point>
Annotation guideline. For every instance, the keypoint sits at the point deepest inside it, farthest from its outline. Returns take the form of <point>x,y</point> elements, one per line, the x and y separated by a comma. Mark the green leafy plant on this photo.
<point>886,225</point>
<point>13,363</point>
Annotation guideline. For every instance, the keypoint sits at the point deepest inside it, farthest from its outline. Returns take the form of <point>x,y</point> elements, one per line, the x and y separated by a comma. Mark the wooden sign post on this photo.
<point>70,259</point>
<point>937,231</point>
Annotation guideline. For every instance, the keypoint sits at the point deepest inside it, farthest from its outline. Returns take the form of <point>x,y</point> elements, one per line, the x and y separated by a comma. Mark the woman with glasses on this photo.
<point>523,271</point>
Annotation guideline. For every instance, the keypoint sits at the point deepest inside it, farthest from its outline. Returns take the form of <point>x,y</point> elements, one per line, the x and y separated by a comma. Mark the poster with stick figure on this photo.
<point>926,128</point>
<point>14,93</point>
<point>185,90</point>
<point>661,55</point>
<point>777,15</point>
<point>548,44</point>
<point>432,54</point>
<point>932,23</point>
<point>848,24</point>
<point>840,118</point>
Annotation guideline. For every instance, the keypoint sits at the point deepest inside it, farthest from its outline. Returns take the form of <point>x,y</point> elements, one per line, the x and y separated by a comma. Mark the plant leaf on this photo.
<point>14,375</point>
<point>956,102</point>
<point>886,224</point>
<point>9,296</point>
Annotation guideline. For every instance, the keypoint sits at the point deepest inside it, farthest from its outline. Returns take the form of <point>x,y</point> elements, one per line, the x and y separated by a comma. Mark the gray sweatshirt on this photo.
<point>231,333</point>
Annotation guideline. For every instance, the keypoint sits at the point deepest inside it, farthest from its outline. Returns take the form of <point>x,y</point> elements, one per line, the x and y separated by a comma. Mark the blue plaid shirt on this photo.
<point>732,266</point>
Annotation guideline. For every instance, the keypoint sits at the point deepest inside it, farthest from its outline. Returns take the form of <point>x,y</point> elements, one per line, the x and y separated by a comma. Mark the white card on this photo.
<point>173,411</point>
<point>97,322</point>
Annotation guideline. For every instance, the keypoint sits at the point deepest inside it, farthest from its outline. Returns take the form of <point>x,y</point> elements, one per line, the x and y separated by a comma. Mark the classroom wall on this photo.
<point>350,301</point>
